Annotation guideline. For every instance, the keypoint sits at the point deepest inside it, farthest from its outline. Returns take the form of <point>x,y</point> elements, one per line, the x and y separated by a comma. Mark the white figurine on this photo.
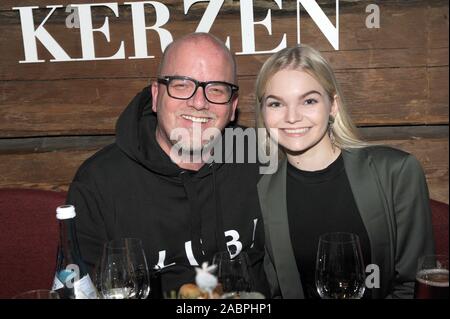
<point>205,280</point>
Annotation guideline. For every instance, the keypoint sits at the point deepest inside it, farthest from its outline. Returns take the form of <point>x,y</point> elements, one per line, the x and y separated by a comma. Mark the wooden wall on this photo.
<point>55,115</point>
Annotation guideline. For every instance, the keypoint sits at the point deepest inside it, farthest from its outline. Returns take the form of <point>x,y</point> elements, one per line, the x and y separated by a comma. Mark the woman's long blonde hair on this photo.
<point>309,60</point>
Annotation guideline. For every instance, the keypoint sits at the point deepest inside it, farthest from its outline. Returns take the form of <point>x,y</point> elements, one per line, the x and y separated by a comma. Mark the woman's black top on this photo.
<point>319,202</point>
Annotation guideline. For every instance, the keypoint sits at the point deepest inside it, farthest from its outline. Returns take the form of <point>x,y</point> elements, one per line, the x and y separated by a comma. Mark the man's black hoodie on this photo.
<point>132,189</point>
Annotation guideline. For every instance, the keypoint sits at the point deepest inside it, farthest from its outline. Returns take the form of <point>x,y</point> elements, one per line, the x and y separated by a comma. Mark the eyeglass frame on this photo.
<point>166,80</point>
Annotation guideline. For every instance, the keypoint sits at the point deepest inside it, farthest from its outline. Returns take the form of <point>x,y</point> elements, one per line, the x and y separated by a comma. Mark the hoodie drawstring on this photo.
<point>220,236</point>
<point>194,215</point>
<point>196,218</point>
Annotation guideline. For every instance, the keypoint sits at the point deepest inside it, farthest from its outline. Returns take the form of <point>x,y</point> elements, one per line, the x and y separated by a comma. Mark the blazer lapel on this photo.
<point>372,206</point>
<point>276,218</point>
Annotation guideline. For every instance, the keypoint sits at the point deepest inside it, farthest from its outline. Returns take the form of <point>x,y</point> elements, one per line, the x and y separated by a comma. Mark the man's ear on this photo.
<point>233,108</point>
<point>335,106</point>
<point>155,92</point>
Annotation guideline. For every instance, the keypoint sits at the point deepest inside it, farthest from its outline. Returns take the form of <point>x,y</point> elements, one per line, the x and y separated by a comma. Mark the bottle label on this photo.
<point>70,278</point>
<point>57,284</point>
<point>69,275</point>
<point>85,289</point>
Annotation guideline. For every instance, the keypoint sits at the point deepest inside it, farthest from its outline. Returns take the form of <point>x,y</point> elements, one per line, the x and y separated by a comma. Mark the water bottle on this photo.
<point>72,279</point>
<point>155,284</point>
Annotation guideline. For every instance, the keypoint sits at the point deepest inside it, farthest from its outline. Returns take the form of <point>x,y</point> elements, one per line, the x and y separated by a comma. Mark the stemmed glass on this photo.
<point>233,273</point>
<point>139,262</point>
<point>124,271</point>
<point>340,267</point>
<point>38,294</point>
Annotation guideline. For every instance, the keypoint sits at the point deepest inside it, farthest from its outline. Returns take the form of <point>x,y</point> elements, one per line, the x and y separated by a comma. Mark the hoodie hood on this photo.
<point>135,136</point>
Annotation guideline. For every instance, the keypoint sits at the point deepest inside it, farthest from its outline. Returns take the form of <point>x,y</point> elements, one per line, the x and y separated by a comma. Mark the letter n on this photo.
<point>321,20</point>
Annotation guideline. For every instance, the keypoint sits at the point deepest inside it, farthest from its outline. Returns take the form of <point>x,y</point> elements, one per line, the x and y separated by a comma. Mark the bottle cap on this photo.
<point>65,212</point>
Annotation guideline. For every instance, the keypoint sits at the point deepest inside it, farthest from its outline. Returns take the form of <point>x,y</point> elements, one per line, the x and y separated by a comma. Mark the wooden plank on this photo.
<point>437,34</point>
<point>433,155</point>
<point>64,107</point>
<point>437,19</point>
<point>381,96</point>
<point>429,144</point>
<point>33,170</point>
<point>404,39</point>
<point>437,57</point>
<point>54,143</point>
<point>403,132</point>
<point>438,93</point>
<point>50,170</point>
<point>92,142</point>
<point>374,97</point>
<point>53,166</point>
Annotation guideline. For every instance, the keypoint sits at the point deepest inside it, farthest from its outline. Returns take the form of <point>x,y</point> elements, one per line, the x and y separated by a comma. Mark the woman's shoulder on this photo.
<point>386,155</point>
<point>380,151</point>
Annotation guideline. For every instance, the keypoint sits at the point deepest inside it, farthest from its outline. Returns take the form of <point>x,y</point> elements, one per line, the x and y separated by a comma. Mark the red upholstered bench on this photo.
<point>28,239</point>
<point>440,226</point>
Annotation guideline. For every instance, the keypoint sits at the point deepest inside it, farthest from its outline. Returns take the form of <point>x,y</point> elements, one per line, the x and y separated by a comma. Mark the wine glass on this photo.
<point>432,277</point>
<point>120,274</point>
<point>233,273</point>
<point>340,267</point>
<point>139,261</point>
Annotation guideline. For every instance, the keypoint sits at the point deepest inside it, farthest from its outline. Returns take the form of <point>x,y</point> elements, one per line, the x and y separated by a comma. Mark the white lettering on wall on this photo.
<point>248,29</point>
<point>211,12</point>
<point>29,36</point>
<point>87,31</point>
<point>321,20</point>
<point>139,27</point>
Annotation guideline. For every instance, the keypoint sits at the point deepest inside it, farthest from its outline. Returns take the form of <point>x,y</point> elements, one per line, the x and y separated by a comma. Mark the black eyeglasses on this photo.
<point>183,88</point>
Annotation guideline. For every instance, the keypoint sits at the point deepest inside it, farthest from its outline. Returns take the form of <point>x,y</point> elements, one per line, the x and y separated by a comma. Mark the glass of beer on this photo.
<point>432,277</point>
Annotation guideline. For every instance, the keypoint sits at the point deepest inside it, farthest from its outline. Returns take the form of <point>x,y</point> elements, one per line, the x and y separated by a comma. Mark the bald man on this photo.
<point>151,185</point>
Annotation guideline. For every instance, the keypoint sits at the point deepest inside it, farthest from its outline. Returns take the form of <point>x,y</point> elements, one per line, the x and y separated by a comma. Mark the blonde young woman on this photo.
<point>330,181</point>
